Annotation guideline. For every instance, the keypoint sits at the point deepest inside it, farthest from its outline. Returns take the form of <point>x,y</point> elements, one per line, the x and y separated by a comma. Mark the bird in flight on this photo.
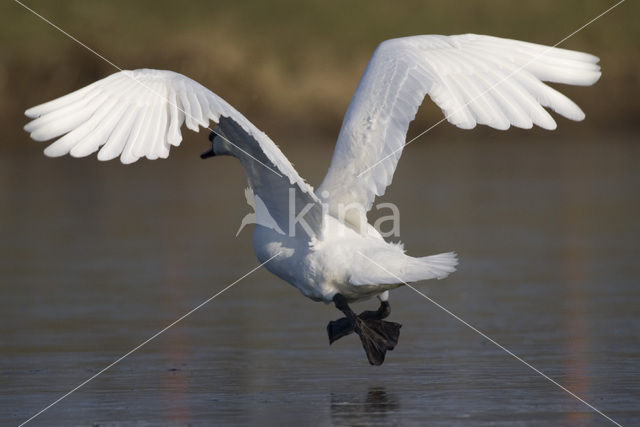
<point>320,241</point>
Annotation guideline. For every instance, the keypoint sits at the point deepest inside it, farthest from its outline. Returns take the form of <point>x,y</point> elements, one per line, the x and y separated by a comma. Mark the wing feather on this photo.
<point>97,106</point>
<point>117,139</point>
<point>197,110</point>
<point>73,97</point>
<point>158,131</point>
<point>516,98</point>
<point>99,135</point>
<point>474,79</point>
<point>174,137</point>
<point>135,114</point>
<point>207,113</point>
<point>143,143</point>
<point>62,121</point>
<point>128,153</point>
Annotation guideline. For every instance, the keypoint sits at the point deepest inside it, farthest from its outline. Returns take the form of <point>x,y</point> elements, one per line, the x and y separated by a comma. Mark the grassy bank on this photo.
<point>291,67</point>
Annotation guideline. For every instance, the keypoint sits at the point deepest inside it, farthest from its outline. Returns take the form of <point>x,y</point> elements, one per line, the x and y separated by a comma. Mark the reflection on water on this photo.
<point>377,407</point>
<point>95,258</point>
<point>575,260</point>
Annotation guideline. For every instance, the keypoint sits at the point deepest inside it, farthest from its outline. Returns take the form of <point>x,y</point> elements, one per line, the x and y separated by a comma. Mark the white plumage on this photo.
<point>474,80</point>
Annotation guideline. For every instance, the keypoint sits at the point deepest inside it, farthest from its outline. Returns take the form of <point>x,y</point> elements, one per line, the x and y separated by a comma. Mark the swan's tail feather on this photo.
<point>393,267</point>
<point>441,265</point>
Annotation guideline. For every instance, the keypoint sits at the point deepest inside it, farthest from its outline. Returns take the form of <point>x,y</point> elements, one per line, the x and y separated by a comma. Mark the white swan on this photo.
<point>322,240</point>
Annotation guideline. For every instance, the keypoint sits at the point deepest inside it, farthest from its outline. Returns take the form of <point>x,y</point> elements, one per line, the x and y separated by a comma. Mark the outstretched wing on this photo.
<point>474,79</point>
<point>134,114</point>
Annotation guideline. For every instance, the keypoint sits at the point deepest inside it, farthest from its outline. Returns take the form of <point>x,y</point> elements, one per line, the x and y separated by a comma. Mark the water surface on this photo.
<point>96,258</point>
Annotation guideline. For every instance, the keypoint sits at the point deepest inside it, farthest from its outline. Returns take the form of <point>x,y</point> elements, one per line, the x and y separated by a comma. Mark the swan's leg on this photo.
<point>377,335</point>
<point>343,327</point>
<point>382,312</point>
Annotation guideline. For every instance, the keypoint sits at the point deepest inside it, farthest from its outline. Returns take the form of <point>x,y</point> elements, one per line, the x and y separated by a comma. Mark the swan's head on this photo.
<point>219,146</point>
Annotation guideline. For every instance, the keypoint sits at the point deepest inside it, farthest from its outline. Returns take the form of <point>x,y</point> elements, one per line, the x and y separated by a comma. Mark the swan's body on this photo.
<point>338,263</point>
<point>329,251</point>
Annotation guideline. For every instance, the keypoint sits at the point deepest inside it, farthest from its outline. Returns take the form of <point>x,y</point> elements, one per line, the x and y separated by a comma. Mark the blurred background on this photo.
<point>292,67</point>
<point>96,257</point>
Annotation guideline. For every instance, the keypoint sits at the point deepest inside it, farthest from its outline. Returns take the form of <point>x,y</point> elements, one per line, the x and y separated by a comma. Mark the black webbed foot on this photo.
<point>339,328</point>
<point>377,335</point>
